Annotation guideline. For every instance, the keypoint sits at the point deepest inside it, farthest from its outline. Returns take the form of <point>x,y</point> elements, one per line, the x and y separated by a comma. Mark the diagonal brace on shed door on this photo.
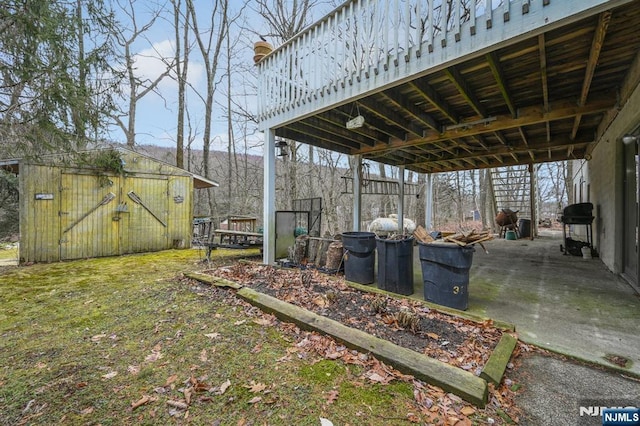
<point>106,200</point>
<point>136,199</point>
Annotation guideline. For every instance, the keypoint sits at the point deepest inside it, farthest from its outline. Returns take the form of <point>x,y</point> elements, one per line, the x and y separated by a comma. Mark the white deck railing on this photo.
<point>366,45</point>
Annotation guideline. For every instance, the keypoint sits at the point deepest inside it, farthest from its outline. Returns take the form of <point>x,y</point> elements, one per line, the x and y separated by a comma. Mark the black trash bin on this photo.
<point>395,265</point>
<point>360,256</point>
<point>524,226</point>
<point>445,273</point>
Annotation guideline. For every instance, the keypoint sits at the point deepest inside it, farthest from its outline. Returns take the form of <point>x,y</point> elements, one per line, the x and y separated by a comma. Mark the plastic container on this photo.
<point>359,257</point>
<point>524,225</point>
<point>395,265</point>
<point>511,235</point>
<point>445,273</point>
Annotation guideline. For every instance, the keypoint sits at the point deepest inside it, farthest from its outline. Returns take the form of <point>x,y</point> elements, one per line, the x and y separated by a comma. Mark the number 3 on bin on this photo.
<point>456,289</point>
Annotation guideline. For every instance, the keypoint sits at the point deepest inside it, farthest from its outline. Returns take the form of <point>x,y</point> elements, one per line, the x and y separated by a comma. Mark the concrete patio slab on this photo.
<point>562,303</point>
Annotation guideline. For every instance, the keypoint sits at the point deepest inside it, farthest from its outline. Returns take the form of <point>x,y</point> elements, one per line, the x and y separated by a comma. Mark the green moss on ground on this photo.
<point>81,341</point>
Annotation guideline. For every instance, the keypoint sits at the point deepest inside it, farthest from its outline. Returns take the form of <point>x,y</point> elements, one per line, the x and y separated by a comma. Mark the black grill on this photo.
<point>577,214</point>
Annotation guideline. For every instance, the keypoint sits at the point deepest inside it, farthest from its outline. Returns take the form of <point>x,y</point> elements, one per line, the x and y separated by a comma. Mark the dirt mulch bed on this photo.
<point>407,323</point>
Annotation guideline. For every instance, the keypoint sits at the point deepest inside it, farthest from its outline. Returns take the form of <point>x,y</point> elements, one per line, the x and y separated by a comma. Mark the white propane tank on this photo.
<point>389,225</point>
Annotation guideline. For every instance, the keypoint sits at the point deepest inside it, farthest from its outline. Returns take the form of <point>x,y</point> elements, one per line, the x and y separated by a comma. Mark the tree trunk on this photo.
<point>182,62</point>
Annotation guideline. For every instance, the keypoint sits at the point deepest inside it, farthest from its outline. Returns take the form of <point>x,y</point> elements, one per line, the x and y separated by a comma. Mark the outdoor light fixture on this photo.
<point>629,139</point>
<point>283,148</point>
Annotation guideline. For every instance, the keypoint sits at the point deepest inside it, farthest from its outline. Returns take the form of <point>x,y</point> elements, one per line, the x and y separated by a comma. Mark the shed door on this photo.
<point>145,227</point>
<point>87,206</point>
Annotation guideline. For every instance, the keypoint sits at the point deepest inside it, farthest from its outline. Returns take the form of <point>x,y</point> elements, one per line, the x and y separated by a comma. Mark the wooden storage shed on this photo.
<point>103,202</point>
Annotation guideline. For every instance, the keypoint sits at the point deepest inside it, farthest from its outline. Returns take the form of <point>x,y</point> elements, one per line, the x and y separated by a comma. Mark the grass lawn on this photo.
<point>127,340</point>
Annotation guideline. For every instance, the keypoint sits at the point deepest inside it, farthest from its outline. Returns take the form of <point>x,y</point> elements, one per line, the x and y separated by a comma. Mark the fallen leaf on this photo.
<point>140,402</point>
<point>332,396</point>
<point>212,335</point>
<point>467,411</point>
<point>110,375</point>
<point>187,395</point>
<point>320,301</point>
<point>86,411</point>
<point>133,369</point>
<point>177,404</point>
<point>257,348</point>
<point>40,365</point>
<point>239,322</point>
<point>203,356</point>
<point>224,387</point>
<point>375,377</point>
<point>98,337</point>
<point>255,400</point>
<point>153,356</point>
<point>433,336</point>
<point>463,422</point>
<point>262,321</point>
<point>411,417</point>
<point>256,387</point>
<point>451,420</point>
<point>171,379</point>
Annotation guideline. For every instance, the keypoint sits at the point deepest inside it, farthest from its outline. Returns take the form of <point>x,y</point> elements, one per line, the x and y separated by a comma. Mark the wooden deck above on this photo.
<point>525,82</point>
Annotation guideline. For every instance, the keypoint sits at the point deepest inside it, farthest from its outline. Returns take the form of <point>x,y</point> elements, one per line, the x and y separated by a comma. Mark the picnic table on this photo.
<point>227,238</point>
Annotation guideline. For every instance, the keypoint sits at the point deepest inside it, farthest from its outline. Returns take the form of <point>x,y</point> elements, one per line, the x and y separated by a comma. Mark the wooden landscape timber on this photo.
<point>452,379</point>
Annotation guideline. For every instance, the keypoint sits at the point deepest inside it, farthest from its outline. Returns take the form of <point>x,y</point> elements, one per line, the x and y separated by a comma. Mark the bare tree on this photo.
<point>210,41</point>
<point>138,87</point>
<point>285,20</point>
<point>182,27</point>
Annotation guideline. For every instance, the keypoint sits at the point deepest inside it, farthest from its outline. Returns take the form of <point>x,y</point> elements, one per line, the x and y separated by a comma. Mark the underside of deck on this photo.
<point>546,94</point>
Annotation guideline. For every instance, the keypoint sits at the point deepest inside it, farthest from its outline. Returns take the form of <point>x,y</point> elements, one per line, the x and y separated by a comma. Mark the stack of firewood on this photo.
<point>422,235</point>
<point>469,237</point>
<point>462,238</point>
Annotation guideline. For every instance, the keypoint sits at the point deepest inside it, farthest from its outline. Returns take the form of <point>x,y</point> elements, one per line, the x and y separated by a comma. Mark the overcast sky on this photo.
<point>157,115</point>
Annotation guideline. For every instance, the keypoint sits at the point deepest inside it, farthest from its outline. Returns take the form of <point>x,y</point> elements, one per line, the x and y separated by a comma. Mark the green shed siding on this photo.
<point>73,213</point>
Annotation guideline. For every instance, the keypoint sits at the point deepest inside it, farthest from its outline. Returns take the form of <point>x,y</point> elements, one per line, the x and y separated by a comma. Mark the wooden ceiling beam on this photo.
<point>337,130</point>
<point>288,133</point>
<point>429,93</point>
<point>525,141</point>
<point>375,122</point>
<point>527,116</point>
<point>338,117</point>
<point>496,162</point>
<point>558,144</point>
<point>385,113</point>
<point>400,100</point>
<point>461,84</point>
<point>498,74</point>
<point>544,79</point>
<point>317,134</point>
<point>592,63</point>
